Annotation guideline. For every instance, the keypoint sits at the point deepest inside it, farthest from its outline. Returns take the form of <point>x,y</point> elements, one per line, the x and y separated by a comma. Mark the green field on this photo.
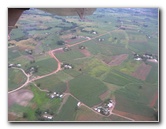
<point>118,78</point>
<point>153,75</point>
<point>69,55</point>
<point>128,66</point>
<point>68,111</point>
<point>124,31</point>
<point>135,99</point>
<point>39,101</point>
<point>95,67</point>
<point>44,66</point>
<point>52,83</point>
<point>107,49</point>
<point>15,78</point>
<point>13,53</point>
<point>16,33</point>
<point>87,89</point>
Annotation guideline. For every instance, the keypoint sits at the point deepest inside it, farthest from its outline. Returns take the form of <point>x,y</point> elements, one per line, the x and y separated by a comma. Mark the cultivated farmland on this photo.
<point>102,67</point>
<point>16,79</point>
<point>87,89</point>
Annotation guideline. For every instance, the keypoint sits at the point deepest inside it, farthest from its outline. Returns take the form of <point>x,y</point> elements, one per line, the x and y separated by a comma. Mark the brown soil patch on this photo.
<point>133,116</point>
<point>142,71</point>
<point>117,60</point>
<point>21,97</point>
<point>85,52</point>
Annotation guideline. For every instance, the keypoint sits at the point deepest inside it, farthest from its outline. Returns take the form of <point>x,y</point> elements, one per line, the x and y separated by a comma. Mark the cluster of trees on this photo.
<point>60,42</point>
<point>39,113</point>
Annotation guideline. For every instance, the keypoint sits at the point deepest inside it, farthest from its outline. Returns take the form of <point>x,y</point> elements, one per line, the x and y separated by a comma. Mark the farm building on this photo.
<point>47,116</point>
<point>55,95</point>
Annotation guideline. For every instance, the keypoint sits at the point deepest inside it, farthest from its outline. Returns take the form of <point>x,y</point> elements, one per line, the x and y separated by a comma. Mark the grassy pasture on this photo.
<point>40,100</point>
<point>95,67</point>
<point>16,33</point>
<point>96,47</point>
<point>52,83</point>
<point>69,55</point>
<point>153,75</point>
<point>128,66</point>
<point>127,101</point>
<point>15,78</point>
<point>121,38</point>
<point>44,66</point>
<point>87,89</point>
<point>13,53</point>
<point>118,78</point>
<point>50,42</point>
<point>68,111</point>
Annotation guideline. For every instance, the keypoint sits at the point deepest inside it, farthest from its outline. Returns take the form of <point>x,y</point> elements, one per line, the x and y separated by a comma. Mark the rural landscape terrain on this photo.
<point>103,67</point>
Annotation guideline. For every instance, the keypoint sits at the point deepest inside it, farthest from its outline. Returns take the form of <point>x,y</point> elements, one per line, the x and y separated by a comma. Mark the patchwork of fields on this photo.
<point>87,62</point>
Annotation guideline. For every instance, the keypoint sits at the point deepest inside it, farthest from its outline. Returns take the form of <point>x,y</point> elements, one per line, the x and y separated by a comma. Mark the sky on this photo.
<point>76,3</point>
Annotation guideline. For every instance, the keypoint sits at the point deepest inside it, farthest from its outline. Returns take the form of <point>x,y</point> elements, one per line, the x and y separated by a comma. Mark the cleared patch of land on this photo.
<point>21,97</point>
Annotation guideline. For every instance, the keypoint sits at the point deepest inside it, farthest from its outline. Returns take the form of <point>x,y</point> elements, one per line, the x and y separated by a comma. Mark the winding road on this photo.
<point>51,53</point>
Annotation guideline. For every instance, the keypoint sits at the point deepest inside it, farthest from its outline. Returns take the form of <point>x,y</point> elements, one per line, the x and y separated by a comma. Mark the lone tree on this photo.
<point>38,84</point>
<point>38,112</point>
<point>25,115</point>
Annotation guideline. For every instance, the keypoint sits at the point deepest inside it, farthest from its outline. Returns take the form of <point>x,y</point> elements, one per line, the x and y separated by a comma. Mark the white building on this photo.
<point>78,104</point>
